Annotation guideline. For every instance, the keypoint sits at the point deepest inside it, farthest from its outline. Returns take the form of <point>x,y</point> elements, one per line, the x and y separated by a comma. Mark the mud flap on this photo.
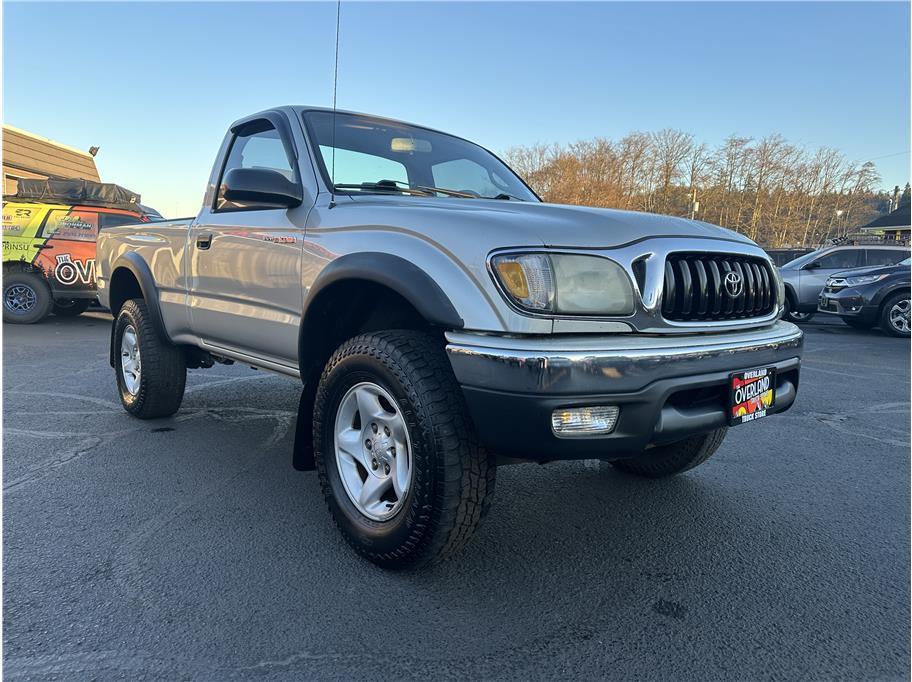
<point>302,458</point>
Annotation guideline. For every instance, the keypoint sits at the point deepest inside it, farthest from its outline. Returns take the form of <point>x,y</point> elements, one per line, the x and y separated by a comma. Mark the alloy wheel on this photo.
<point>20,298</point>
<point>130,365</point>
<point>899,316</point>
<point>373,451</point>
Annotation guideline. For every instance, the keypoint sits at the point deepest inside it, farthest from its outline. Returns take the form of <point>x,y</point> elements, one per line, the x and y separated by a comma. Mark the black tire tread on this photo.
<point>465,471</point>
<point>164,369</point>
<point>674,458</point>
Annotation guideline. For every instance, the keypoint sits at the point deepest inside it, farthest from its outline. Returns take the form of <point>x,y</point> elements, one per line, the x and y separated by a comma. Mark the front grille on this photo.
<point>696,288</point>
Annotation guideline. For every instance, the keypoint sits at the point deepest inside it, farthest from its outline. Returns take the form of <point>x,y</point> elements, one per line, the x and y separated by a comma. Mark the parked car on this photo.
<point>871,297</point>
<point>806,276</point>
<point>49,233</point>
<point>443,320</point>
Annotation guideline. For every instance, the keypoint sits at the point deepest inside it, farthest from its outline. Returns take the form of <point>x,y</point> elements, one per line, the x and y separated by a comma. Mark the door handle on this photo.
<point>204,241</point>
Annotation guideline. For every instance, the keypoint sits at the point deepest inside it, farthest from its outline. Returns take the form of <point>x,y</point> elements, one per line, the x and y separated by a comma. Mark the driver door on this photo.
<point>245,261</point>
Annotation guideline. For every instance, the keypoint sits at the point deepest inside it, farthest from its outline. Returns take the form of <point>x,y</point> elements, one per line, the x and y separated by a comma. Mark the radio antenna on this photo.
<point>335,90</point>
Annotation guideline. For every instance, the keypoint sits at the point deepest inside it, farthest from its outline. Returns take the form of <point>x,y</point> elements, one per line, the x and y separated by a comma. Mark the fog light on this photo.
<point>579,422</point>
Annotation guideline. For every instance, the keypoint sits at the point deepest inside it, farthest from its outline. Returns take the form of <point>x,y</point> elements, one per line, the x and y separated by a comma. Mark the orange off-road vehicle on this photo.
<point>49,233</point>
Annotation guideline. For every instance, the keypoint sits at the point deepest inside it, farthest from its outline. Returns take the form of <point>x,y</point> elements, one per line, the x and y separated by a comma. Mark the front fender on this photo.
<point>398,274</point>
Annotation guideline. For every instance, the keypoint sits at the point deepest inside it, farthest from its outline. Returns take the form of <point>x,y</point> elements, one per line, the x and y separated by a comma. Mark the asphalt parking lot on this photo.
<point>189,547</point>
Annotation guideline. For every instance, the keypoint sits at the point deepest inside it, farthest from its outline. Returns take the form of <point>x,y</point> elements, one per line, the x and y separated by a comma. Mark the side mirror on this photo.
<point>813,265</point>
<point>260,188</point>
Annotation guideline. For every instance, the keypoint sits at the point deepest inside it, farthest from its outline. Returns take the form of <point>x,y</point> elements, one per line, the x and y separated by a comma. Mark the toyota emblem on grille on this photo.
<point>733,284</point>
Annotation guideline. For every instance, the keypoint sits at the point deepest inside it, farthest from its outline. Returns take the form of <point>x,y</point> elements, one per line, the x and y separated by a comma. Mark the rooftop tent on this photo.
<point>82,192</point>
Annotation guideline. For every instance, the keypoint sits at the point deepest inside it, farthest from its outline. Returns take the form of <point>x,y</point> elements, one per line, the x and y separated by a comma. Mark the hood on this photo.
<point>520,223</point>
<point>879,270</point>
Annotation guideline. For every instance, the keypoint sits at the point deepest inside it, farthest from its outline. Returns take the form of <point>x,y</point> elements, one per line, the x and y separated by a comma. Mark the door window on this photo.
<point>258,147</point>
<point>840,260</point>
<point>73,224</point>
<point>885,256</point>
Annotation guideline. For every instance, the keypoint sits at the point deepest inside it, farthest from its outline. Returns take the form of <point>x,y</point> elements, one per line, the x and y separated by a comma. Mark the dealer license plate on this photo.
<point>752,394</point>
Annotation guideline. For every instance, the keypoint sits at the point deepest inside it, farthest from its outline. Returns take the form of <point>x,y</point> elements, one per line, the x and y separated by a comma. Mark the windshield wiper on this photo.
<point>506,197</point>
<point>384,186</point>
<point>406,188</point>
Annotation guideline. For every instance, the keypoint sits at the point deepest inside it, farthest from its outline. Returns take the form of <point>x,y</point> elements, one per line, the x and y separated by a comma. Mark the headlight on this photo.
<point>565,284</point>
<point>864,279</point>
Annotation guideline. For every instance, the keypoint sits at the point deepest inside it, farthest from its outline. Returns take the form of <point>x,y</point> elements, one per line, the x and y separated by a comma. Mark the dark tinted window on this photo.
<point>113,220</point>
<point>885,256</point>
<point>842,259</point>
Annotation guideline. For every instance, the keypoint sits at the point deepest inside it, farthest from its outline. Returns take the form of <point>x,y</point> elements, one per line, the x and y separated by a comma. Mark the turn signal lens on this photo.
<point>579,422</point>
<point>513,278</point>
<point>528,278</point>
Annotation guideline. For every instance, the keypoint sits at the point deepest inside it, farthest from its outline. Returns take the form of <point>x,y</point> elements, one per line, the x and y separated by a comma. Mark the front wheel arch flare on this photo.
<point>388,271</point>
<point>132,278</point>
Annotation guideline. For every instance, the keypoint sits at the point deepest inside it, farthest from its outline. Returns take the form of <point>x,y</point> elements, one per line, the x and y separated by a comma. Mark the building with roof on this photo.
<point>26,155</point>
<point>893,225</point>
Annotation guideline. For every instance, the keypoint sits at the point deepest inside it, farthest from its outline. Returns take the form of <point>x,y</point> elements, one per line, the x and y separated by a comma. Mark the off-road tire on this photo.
<point>43,301</point>
<point>885,325</point>
<point>855,323</point>
<point>71,307</point>
<point>453,477</point>
<point>164,369</point>
<point>674,458</point>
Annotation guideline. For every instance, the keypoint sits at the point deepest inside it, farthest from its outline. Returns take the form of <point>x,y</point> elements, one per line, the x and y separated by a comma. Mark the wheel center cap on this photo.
<point>380,450</point>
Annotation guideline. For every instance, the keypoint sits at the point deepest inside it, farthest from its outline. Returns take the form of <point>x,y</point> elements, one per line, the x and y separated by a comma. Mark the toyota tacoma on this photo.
<point>443,320</point>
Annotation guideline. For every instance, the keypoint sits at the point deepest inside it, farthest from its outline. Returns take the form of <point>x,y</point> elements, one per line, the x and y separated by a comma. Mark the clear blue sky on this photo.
<point>155,85</point>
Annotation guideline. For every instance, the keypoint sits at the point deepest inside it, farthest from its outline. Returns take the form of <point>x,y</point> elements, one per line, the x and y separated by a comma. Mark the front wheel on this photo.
<point>894,316</point>
<point>26,297</point>
<point>151,372</point>
<point>674,458</point>
<point>71,307</point>
<point>400,469</point>
<point>794,315</point>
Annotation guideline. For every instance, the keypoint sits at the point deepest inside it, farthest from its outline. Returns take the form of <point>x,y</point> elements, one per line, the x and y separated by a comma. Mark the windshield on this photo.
<point>801,260</point>
<point>375,156</point>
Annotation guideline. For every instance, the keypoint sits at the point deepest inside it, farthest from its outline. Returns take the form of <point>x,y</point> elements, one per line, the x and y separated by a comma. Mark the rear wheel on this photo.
<point>26,297</point>
<point>894,316</point>
<point>71,307</point>
<point>151,372</point>
<point>403,476</point>
<point>674,458</point>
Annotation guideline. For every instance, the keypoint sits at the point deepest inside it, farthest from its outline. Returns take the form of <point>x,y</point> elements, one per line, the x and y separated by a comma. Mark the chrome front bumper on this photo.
<point>619,363</point>
<point>667,387</point>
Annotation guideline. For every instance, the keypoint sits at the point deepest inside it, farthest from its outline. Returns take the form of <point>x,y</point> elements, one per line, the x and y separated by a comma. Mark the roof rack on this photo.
<point>78,192</point>
<point>866,239</point>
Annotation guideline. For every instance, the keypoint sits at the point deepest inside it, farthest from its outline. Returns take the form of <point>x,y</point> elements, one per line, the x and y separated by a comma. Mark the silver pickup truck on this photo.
<point>443,320</point>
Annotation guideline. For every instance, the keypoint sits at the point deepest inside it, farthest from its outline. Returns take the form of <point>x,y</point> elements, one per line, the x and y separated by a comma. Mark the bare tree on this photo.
<point>776,193</point>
